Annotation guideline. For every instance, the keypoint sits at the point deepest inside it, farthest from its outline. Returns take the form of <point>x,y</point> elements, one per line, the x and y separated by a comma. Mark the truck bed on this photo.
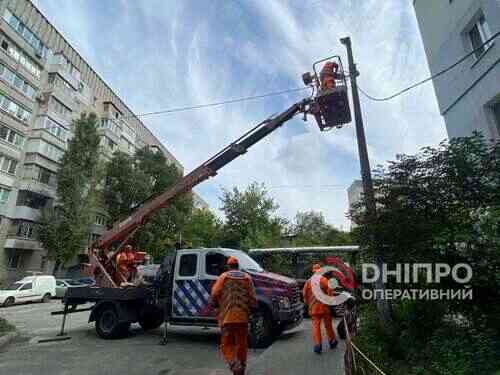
<point>96,294</point>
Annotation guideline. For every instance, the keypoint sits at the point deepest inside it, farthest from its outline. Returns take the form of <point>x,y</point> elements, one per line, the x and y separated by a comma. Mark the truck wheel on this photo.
<point>107,324</point>
<point>260,330</point>
<point>151,318</point>
<point>9,302</point>
<point>46,298</point>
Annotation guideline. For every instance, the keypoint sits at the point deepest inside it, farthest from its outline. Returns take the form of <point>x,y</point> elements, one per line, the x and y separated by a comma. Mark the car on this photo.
<point>62,286</point>
<point>89,281</point>
<point>32,288</point>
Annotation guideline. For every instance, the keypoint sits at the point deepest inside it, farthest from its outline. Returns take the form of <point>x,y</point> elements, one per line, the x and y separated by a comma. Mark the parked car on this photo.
<point>89,281</point>
<point>32,288</point>
<point>62,286</point>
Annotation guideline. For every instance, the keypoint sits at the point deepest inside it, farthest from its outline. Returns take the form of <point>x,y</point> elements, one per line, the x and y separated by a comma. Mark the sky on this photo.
<point>159,54</point>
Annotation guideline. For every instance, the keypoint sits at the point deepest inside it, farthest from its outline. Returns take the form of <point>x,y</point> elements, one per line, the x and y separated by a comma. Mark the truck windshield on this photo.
<point>245,262</point>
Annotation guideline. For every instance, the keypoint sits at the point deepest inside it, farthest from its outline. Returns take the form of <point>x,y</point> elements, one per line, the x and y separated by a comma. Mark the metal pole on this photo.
<point>366,177</point>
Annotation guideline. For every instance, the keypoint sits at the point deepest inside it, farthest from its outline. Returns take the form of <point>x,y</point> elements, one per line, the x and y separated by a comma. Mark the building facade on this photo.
<point>354,196</point>
<point>44,85</point>
<point>469,95</point>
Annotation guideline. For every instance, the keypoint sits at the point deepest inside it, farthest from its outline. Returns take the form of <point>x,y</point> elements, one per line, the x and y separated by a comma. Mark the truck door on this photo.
<point>26,293</point>
<point>212,265</point>
<point>189,297</point>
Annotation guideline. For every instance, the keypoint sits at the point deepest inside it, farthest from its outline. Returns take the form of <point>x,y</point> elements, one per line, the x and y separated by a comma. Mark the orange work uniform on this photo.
<point>233,296</point>
<point>318,311</point>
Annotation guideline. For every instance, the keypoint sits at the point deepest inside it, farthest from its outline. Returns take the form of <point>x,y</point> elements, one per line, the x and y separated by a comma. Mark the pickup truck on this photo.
<point>180,294</point>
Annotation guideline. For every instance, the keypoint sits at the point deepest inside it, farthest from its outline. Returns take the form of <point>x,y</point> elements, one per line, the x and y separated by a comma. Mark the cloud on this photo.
<point>164,54</point>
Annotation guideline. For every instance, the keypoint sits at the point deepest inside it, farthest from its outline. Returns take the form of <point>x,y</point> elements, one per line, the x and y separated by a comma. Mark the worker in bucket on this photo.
<point>327,75</point>
<point>233,296</point>
<point>319,311</point>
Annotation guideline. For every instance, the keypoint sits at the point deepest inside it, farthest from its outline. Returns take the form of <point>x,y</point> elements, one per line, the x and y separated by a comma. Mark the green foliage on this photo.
<point>440,206</point>
<point>5,327</point>
<point>64,229</point>
<point>311,229</point>
<point>132,180</point>
<point>202,229</point>
<point>249,217</point>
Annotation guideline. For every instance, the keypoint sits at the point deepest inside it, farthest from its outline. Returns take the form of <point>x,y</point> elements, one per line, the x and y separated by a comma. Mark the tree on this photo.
<point>132,180</point>
<point>311,229</point>
<point>441,206</point>
<point>250,219</point>
<point>124,186</point>
<point>65,227</point>
<point>202,229</point>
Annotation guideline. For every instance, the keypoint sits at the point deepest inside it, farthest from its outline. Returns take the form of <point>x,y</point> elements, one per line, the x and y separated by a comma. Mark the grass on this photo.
<point>5,327</point>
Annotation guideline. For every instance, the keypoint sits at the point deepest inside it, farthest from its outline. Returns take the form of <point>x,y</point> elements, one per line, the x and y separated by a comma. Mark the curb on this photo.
<point>6,339</point>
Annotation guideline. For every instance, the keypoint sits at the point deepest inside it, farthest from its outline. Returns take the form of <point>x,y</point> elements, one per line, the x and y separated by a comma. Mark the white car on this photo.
<point>62,286</point>
<point>29,289</point>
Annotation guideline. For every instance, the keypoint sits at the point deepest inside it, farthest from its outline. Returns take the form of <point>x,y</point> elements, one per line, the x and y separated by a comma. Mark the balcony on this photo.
<point>62,70</point>
<point>23,244</point>
<point>62,93</point>
<point>48,137</point>
<point>26,213</point>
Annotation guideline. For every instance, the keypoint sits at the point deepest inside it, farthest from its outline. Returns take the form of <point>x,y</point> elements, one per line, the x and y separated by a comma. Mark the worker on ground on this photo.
<point>233,296</point>
<point>318,311</point>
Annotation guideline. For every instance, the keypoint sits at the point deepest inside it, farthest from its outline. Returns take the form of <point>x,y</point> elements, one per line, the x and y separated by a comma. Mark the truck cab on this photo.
<point>195,272</point>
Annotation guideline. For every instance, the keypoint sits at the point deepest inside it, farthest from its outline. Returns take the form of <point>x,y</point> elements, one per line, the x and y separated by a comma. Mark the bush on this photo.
<point>5,326</point>
<point>427,344</point>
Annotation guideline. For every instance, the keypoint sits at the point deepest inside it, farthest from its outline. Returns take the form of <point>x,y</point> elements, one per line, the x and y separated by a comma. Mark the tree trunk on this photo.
<point>383,307</point>
<point>57,265</point>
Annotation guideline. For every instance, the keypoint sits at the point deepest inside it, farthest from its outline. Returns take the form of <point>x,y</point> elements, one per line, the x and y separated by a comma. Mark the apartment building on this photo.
<point>469,95</point>
<point>354,196</point>
<point>44,85</point>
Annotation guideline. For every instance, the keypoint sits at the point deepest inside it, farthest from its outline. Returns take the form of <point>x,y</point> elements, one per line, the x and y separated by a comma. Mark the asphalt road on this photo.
<point>190,351</point>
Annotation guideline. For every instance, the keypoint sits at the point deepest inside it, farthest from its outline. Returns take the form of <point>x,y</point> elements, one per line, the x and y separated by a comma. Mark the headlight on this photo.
<point>284,302</point>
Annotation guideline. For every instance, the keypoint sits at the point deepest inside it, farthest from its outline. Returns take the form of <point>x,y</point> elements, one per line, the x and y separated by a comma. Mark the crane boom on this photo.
<point>102,264</point>
<point>209,168</point>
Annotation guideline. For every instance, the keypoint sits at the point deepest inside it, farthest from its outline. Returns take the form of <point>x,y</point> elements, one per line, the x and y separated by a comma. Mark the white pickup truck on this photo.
<point>181,289</point>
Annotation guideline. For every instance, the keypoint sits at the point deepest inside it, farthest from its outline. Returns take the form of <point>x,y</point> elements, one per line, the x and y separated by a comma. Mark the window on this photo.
<point>4,195</point>
<point>41,174</point>
<point>8,164</point>
<point>100,220</point>
<point>59,108</point>
<point>27,286</point>
<point>16,81</point>
<point>54,128</point>
<point>25,229</point>
<point>25,33</point>
<point>214,264</point>
<point>59,283</point>
<point>187,266</point>
<point>14,261</point>
<point>31,199</point>
<point>11,136</point>
<point>22,58</point>
<point>14,109</point>
<point>478,35</point>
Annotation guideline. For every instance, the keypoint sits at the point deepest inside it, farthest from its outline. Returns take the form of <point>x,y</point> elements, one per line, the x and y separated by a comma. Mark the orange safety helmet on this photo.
<point>231,260</point>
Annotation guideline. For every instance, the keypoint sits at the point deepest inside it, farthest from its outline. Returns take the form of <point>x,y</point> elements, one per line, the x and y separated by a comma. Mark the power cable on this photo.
<point>446,70</point>
<point>229,101</point>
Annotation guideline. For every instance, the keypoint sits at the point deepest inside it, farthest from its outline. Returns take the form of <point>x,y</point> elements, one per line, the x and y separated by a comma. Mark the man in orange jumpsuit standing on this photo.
<point>233,296</point>
<point>318,311</point>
